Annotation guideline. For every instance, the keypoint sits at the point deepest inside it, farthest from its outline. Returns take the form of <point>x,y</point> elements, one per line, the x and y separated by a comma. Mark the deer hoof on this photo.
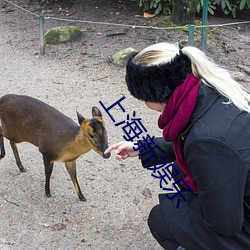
<point>82,198</point>
<point>48,195</point>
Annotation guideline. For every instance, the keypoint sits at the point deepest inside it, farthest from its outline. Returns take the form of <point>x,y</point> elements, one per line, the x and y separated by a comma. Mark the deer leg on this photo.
<point>48,165</point>
<point>2,147</point>
<point>71,168</point>
<point>18,161</point>
<point>1,144</point>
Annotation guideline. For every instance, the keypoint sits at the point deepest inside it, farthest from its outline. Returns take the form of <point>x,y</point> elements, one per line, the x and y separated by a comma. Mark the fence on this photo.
<point>191,28</point>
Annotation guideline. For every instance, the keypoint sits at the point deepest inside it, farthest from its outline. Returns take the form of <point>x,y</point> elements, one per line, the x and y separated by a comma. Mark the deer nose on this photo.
<point>106,156</point>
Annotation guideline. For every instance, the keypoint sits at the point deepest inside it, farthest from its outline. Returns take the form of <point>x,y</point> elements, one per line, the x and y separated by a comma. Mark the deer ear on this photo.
<point>96,112</point>
<point>80,118</point>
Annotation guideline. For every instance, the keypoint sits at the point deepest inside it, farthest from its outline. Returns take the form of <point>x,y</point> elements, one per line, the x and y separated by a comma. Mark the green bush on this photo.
<point>231,6</point>
<point>156,6</point>
<point>165,6</point>
<point>211,7</point>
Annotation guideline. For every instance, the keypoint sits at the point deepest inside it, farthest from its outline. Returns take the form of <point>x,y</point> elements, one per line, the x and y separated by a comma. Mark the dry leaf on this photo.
<point>58,227</point>
<point>147,15</point>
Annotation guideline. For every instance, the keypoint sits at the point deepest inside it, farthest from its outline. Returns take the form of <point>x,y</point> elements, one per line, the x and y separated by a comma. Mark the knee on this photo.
<point>153,219</point>
<point>159,229</point>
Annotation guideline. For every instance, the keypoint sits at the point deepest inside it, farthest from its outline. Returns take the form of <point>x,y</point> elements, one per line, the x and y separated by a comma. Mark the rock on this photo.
<point>120,58</point>
<point>63,34</point>
<point>147,193</point>
<point>136,201</point>
<point>2,3</point>
<point>244,68</point>
<point>45,225</point>
<point>239,76</point>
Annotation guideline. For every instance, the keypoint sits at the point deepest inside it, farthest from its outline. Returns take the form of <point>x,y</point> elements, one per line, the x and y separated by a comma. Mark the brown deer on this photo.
<point>59,138</point>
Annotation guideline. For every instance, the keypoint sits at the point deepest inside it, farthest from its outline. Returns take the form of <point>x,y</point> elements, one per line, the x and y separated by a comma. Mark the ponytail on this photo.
<point>218,78</point>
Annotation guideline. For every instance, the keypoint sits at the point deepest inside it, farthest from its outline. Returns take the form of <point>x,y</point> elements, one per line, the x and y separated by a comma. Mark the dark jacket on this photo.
<point>216,145</point>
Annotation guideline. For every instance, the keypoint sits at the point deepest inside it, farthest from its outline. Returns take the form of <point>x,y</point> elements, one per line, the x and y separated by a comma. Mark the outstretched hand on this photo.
<point>123,150</point>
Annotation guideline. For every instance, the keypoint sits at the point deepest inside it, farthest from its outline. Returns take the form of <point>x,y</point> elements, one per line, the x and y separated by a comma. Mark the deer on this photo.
<point>58,138</point>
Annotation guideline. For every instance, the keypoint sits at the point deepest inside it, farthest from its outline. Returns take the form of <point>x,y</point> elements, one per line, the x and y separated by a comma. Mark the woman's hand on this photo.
<point>123,150</point>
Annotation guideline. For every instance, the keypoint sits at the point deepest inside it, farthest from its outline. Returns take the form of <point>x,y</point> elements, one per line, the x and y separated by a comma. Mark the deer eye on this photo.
<point>91,136</point>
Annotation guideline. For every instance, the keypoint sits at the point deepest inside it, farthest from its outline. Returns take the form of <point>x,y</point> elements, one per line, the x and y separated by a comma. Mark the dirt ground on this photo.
<point>76,76</point>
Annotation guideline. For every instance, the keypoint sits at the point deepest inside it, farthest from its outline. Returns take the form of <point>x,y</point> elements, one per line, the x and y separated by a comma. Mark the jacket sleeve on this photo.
<point>160,149</point>
<point>220,173</point>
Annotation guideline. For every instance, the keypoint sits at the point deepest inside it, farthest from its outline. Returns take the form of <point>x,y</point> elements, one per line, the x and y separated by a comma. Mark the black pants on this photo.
<point>160,230</point>
<point>158,226</point>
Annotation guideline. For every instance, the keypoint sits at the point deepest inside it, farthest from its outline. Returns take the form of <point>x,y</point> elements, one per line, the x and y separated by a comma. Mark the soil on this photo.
<point>76,76</point>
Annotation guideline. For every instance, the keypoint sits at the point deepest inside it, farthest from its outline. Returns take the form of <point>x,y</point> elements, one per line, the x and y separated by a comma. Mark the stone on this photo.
<point>147,193</point>
<point>2,3</point>
<point>121,58</point>
<point>244,68</point>
<point>239,76</point>
<point>63,34</point>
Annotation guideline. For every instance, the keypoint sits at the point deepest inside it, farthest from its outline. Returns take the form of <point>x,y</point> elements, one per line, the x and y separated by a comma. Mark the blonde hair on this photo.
<point>203,68</point>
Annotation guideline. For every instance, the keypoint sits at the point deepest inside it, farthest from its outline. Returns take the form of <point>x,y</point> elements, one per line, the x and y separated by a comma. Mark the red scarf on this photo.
<point>175,117</point>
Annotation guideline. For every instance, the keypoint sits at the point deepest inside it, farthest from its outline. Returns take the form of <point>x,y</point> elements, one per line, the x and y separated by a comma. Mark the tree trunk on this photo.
<point>183,11</point>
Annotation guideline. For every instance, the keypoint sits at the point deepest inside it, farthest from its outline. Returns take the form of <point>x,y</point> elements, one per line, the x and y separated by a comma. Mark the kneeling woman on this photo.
<point>205,118</point>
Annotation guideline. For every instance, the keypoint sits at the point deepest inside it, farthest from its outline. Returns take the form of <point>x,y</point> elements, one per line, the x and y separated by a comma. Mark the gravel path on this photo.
<point>72,77</point>
<point>116,211</point>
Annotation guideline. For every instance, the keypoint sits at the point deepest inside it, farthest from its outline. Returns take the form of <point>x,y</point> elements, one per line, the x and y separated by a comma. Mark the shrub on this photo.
<point>156,6</point>
<point>227,6</point>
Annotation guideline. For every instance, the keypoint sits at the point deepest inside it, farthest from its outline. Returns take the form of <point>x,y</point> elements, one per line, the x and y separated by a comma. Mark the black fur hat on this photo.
<point>156,83</point>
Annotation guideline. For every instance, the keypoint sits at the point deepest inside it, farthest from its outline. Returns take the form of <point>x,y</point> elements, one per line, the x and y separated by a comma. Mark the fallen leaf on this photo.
<point>147,15</point>
<point>58,227</point>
